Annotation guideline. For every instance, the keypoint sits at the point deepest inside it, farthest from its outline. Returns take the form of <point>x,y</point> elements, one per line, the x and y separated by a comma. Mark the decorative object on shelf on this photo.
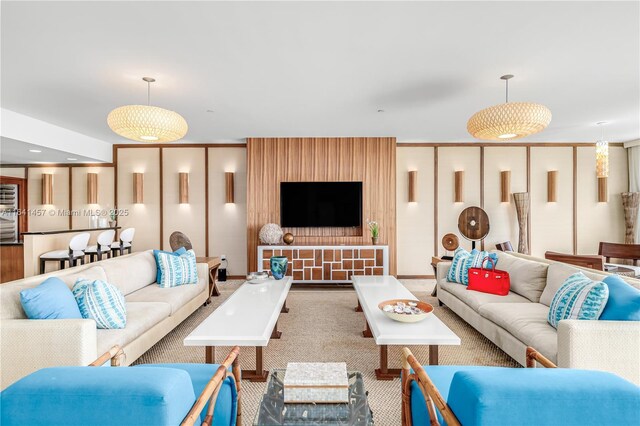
<point>113,218</point>
<point>47,188</point>
<point>288,238</point>
<point>319,382</point>
<point>473,224</point>
<point>146,123</point>
<point>405,310</point>
<point>522,201</point>
<point>228,186</point>
<point>413,186</point>
<point>138,191</point>
<point>458,187</point>
<point>92,188</point>
<point>271,234</point>
<point>505,186</point>
<point>374,227</point>
<point>552,185</point>
<point>631,205</point>
<point>450,242</point>
<point>93,221</point>
<point>510,120</point>
<point>183,190</point>
<point>278,266</point>
<point>258,277</point>
<point>103,222</point>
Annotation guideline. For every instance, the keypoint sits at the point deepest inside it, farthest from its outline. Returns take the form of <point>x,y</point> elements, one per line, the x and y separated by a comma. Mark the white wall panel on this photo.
<point>79,197</point>
<point>53,217</point>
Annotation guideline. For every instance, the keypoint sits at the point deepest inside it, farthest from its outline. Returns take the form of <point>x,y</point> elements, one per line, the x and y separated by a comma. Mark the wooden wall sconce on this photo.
<point>458,188</point>
<point>92,188</point>
<point>413,186</point>
<point>505,186</point>
<point>138,188</point>
<point>47,188</point>
<point>603,190</point>
<point>184,188</point>
<point>552,185</point>
<point>228,184</point>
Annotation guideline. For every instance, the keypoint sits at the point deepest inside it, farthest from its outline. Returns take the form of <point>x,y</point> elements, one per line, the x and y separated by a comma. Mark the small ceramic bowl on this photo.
<point>257,277</point>
<point>405,316</point>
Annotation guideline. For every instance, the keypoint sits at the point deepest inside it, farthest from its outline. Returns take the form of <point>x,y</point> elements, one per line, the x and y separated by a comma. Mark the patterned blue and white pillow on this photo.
<point>578,298</point>
<point>463,260</point>
<point>102,302</point>
<point>176,270</point>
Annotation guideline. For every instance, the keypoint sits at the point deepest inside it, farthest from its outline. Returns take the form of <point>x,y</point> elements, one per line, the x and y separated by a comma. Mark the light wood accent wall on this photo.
<point>369,160</point>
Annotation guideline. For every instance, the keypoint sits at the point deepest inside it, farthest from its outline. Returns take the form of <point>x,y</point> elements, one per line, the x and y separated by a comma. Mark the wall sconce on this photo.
<point>413,186</point>
<point>92,188</point>
<point>603,190</point>
<point>138,190</point>
<point>184,188</point>
<point>228,180</point>
<point>47,188</point>
<point>458,188</point>
<point>505,186</point>
<point>602,165</point>
<point>552,183</point>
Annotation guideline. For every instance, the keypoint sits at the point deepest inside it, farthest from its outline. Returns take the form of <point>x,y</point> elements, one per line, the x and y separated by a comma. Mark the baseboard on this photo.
<point>416,277</point>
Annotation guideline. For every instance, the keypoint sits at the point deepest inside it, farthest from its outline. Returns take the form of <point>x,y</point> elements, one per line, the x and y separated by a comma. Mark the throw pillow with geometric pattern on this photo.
<point>578,298</point>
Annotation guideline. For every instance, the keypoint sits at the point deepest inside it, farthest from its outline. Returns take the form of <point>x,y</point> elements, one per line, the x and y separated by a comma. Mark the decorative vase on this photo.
<point>112,223</point>
<point>630,203</point>
<point>288,238</point>
<point>522,202</point>
<point>278,266</point>
<point>374,240</point>
<point>270,234</point>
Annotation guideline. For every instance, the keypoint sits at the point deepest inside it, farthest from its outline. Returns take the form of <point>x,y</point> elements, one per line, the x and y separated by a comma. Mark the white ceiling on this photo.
<point>19,152</point>
<point>324,69</point>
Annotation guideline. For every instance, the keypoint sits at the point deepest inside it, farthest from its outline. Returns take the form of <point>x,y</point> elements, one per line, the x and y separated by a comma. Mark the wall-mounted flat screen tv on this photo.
<point>320,204</point>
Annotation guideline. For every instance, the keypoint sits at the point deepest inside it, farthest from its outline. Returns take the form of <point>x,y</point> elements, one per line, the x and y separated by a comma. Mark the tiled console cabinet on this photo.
<point>328,264</point>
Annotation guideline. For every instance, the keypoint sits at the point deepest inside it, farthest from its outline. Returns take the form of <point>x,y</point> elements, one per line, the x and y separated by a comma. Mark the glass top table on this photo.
<point>273,411</point>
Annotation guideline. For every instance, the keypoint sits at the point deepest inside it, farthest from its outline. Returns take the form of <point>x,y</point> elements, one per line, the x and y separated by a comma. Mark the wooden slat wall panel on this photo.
<point>370,160</point>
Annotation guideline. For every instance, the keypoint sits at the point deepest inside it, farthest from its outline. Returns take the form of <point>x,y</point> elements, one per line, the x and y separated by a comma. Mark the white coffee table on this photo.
<point>249,317</point>
<point>372,290</point>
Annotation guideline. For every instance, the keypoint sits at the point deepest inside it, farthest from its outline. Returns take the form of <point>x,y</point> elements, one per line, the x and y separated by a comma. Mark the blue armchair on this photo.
<point>464,395</point>
<point>153,394</point>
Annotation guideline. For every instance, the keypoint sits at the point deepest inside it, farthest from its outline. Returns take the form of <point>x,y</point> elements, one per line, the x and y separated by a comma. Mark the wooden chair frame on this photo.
<point>584,260</point>
<point>210,392</point>
<point>620,251</point>
<point>432,396</point>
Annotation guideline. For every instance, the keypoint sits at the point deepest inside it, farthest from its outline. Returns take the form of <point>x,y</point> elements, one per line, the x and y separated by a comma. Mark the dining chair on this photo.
<point>75,252</point>
<point>125,243</point>
<point>103,245</point>
<point>620,251</point>
<point>590,261</point>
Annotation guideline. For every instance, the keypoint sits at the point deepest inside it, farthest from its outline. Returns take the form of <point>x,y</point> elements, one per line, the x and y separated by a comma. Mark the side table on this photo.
<point>214,263</point>
<point>434,264</point>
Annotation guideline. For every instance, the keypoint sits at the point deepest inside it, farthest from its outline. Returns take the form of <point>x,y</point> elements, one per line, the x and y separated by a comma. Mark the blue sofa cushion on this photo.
<point>51,299</point>
<point>227,403</point>
<point>178,252</point>
<point>578,298</point>
<point>102,302</point>
<point>624,301</point>
<point>176,269</point>
<point>98,396</point>
<point>518,396</point>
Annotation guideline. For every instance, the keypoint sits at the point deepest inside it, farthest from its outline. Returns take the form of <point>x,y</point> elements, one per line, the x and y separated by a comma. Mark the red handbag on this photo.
<point>493,281</point>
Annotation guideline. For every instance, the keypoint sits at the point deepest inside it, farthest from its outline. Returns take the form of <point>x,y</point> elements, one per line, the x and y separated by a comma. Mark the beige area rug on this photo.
<point>323,326</point>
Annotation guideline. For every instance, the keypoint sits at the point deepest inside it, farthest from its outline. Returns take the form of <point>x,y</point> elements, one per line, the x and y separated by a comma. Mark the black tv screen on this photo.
<point>320,204</point>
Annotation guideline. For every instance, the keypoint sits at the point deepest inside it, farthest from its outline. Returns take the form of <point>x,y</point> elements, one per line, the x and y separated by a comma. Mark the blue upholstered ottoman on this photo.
<point>518,396</point>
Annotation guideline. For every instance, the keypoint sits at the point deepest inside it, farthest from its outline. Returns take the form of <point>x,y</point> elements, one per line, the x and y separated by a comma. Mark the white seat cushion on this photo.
<point>140,318</point>
<point>177,297</point>
<point>61,254</point>
<point>94,249</point>
<point>527,322</point>
<point>476,299</point>
<point>117,245</point>
<point>132,272</point>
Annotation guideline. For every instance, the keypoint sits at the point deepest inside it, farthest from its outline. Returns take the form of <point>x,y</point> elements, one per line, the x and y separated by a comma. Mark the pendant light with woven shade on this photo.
<point>146,123</point>
<point>510,120</point>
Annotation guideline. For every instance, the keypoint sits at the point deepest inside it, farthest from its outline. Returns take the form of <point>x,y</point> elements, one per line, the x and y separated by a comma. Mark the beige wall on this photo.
<point>188,218</point>
<point>106,200</point>
<point>16,172</point>
<point>52,217</point>
<point>228,222</point>
<point>145,217</point>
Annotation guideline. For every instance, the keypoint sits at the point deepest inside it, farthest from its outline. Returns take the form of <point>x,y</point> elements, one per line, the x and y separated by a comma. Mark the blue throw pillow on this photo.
<point>624,301</point>
<point>578,298</point>
<point>175,269</point>
<point>102,302</point>
<point>463,260</point>
<point>52,299</point>
<point>178,252</point>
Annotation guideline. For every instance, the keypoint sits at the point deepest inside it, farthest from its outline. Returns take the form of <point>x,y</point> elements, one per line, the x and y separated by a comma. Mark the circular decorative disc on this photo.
<point>450,242</point>
<point>473,223</point>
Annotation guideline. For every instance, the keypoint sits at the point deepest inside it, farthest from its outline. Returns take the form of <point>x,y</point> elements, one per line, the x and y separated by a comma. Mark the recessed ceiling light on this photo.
<point>35,150</point>
<point>380,110</point>
<point>72,159</point>
<point>210,110</point>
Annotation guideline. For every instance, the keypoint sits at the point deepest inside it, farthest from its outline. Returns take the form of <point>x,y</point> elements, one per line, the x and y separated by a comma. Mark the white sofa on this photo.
<point>519,319</point>
<point>152,312</point>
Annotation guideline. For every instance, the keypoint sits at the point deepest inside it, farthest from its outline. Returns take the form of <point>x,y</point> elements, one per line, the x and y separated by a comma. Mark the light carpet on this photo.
<point>323,326</point>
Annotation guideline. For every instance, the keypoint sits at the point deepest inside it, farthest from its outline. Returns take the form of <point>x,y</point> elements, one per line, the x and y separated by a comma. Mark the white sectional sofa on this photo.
<point>152,312</point>
<point>519,319</point>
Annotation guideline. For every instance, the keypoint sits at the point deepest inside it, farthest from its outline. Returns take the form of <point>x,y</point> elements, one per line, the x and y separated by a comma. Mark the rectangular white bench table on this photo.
<point>249,317</point>
<point>371,291</point>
